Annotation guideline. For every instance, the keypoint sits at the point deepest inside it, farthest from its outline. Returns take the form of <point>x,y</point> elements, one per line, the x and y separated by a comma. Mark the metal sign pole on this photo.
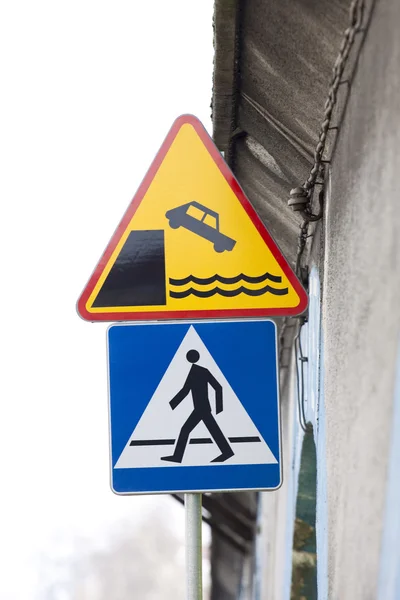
<point>194,585</point>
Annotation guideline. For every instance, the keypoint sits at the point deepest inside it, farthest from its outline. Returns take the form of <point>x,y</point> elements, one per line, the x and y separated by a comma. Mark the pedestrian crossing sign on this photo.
<point>194,407</point>
<point>190,245</point>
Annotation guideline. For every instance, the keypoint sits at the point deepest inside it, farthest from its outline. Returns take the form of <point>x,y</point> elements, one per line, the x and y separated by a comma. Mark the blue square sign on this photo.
<point>194,407</point>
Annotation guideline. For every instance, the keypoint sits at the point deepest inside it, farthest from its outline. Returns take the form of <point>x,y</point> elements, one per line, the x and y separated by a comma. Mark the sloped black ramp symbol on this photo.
<point>137,277</point>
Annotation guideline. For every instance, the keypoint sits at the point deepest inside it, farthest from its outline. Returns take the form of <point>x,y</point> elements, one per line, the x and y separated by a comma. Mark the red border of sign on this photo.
<point>193,314</point>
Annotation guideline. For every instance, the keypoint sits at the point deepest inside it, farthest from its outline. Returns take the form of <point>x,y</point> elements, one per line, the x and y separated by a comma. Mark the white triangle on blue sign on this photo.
<point>156,433</point>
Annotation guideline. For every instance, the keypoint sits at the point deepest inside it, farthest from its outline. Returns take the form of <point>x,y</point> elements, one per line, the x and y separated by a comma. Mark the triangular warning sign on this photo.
<point>190,245</point>
<point>155,436</point>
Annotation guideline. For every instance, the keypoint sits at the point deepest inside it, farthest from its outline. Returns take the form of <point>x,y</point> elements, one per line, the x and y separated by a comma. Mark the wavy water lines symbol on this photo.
<point>227,280</point>
<point>228,293</point>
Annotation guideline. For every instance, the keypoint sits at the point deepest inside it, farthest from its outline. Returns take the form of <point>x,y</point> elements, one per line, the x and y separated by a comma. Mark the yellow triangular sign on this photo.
<point>190,245</point>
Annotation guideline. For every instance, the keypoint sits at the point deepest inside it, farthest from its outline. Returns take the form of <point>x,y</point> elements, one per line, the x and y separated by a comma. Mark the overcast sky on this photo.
<point>89,90</point>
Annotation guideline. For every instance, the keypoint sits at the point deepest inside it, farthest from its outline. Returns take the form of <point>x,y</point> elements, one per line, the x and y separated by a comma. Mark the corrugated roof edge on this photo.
<point>225,76</point>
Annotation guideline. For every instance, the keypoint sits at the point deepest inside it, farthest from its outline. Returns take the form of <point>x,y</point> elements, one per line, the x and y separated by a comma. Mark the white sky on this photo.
<point>89,90</point>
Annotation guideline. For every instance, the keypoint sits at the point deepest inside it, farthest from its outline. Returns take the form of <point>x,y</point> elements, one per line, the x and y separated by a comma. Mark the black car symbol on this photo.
<point>180,217</point>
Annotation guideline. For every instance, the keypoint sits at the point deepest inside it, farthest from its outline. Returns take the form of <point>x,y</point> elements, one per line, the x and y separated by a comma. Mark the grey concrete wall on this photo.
<point>361,310</point>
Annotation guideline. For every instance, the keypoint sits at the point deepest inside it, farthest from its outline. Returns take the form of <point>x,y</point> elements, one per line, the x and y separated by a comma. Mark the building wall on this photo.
<point>352,335</point>
<point>361,310</point>
<point>358,261</point>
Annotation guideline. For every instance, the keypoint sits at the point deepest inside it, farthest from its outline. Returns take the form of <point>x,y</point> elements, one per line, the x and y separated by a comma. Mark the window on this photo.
<point>211,221</point>
<point>304,556</point>
<point>195,212</point>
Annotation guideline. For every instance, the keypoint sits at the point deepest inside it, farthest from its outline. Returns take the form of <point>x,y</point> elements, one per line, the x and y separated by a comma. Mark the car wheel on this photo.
<point>174,224</point>
<point>219,247</point>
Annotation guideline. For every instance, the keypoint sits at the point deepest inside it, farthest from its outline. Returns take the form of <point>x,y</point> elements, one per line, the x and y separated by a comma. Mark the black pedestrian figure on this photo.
<point>197,382</point>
